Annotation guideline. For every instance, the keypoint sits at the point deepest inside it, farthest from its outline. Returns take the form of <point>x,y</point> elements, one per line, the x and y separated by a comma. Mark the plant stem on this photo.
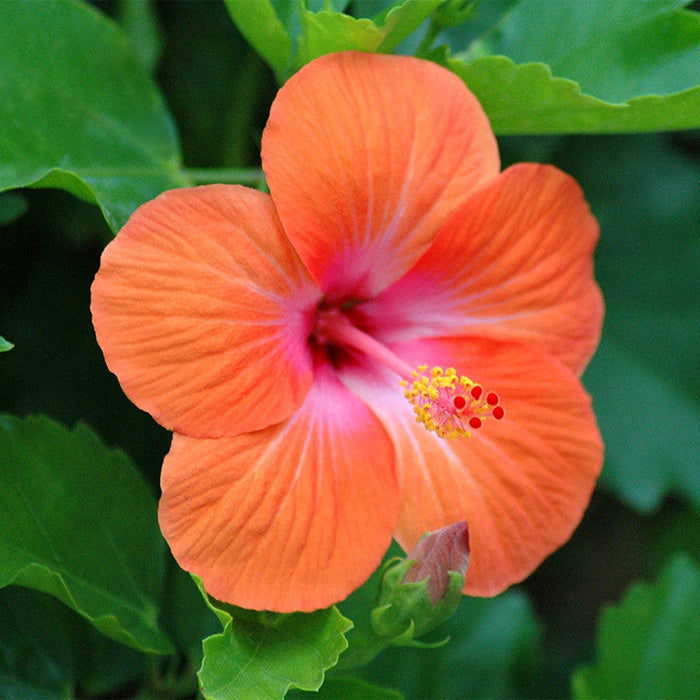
<point>361,651</point>
<point>238,176</point>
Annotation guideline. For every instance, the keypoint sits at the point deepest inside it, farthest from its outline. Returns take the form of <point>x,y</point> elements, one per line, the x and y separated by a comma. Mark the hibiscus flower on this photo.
<point>388,343</point>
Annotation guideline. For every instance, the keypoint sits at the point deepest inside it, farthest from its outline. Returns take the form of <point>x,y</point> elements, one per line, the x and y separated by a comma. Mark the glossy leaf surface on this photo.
<point>642,464</point>
<point>614,49</point>
<point>261,655</point>
<point>79,110</point>
<point>647,645</point>
<point>529,99</point>
<point>78,522</point>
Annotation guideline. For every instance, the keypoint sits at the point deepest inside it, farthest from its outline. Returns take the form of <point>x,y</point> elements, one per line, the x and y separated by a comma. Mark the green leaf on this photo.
<point>5,345</point>
<point>261,655</point>
<point>649,644</point>
<point>601,66</point>
<point>79,109</point>
<point>644,379</point>
<point>348,689</point>
<point>650,431</point>
<point>288,37</point>
<point>614,49</point>
<point>645,194</point>
<point>403,19</point>
<point>327,32</point>
<point>528,99</point>
<point>77,521</point>
<point>139,22</point>
<point>264,30</point>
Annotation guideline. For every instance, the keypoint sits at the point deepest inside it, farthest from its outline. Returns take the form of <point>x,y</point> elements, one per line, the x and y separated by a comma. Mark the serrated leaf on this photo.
<point>528,99</point>
<point>603,66</point>
<point>288,36</point>
<point>78,522</point>
<point>651,432</point>
<point>614,49</point>
<point>648,644</point>
<point>79,109</point>
<point>328,32</point>
<point>261,656</point>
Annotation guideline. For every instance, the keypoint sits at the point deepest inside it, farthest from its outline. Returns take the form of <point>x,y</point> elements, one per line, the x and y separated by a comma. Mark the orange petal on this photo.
<point>203,309</point>
<point>521,483</point>
<point>515,262</point>
<point>293,517</point>
<point>366,155</point>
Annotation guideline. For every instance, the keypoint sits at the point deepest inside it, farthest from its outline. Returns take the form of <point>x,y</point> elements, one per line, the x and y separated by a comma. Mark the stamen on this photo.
<point>449,404</point>
<point>444,402</point>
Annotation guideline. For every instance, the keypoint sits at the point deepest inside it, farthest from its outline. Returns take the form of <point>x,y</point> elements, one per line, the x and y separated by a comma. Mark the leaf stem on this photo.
<point>361,651</point>
<point>237,176</point>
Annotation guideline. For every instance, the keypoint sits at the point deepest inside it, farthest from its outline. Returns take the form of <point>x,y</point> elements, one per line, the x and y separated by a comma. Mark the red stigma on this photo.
<point>498,412</point>
<point>477,391</point>
<point>492,398</point>
<point>475,422</point>
<point>459,402</point>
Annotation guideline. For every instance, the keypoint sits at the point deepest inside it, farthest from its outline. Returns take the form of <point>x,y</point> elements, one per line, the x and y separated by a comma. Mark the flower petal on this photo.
<point>293,517</point>
<point>515,263</point>
<point>366,155</point>
<point>203,311</point>
<point>521,483</point>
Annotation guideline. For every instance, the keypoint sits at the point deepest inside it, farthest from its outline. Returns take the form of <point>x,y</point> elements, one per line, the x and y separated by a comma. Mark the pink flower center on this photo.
<point>446,403</point>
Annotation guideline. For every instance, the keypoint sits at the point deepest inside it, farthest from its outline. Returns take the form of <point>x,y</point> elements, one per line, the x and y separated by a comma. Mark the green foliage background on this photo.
<point>109,104</point>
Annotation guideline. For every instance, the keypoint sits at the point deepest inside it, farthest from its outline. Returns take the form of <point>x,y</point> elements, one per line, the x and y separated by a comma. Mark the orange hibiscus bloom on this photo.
<point>273,334</point>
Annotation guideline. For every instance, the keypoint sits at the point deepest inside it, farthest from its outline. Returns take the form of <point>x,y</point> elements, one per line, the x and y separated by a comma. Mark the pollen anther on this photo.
<point>449,404</point>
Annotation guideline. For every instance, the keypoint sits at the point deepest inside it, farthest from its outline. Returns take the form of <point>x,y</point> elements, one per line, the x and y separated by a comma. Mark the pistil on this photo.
<point>446,403</point>
<point>334,328</point>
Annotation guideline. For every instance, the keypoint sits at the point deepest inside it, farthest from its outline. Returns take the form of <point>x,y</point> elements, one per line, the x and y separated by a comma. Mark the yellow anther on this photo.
<point>449,404</point>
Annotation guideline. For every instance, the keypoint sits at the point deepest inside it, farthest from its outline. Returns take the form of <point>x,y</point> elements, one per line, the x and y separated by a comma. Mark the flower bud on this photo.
<point>419,592</point>
<point>440,552</point>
